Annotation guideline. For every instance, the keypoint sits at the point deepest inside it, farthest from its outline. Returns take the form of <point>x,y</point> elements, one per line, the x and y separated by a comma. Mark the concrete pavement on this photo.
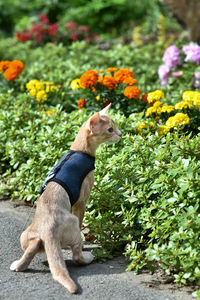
<point>105,281</point>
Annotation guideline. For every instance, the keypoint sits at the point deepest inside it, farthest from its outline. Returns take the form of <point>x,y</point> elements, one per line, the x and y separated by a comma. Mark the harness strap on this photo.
<point>55,171</point>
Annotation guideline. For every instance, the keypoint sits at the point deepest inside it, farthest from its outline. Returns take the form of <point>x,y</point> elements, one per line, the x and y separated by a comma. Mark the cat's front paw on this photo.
<point>17,266</point>
<point>88,257</point>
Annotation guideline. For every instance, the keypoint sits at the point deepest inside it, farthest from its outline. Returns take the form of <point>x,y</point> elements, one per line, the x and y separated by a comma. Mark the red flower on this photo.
<point>74,36</point>
<point>44,18</point>
<point>53,29</point>
<point>23,37</point>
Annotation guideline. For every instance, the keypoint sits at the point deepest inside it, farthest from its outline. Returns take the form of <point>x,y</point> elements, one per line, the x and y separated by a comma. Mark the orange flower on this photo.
<point>17,64</point>
<point>144,98</point>
<point>89,79</point>
<point>100,79</point>
<point>122,74</point>
<point>129,80</point>
<point>11,73</point>
<point>109,82</point>
<point>111,70</point>
<point>81,103</point>
<point>131,92</point>
<point>4,64</point>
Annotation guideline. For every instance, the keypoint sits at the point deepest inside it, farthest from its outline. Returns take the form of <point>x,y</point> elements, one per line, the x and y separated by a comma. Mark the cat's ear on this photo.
<point>94,122</point>
<point>104,111</point>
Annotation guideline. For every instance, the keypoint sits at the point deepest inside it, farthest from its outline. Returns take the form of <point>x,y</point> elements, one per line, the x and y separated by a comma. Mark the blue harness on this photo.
<point>70,172</point>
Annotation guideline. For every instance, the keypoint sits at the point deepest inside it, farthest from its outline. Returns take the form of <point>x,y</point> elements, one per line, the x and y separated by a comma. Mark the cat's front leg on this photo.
<point>78,210</point>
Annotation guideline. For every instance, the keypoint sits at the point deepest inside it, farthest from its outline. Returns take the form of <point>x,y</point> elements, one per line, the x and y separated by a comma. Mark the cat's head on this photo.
<point>102,128</point>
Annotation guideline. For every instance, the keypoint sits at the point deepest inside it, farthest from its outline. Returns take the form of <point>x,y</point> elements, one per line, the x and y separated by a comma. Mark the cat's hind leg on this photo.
<point>32,248</point>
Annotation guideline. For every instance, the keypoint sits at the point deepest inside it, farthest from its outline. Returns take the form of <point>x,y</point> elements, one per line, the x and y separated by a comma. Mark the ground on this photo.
<point>104,281</point>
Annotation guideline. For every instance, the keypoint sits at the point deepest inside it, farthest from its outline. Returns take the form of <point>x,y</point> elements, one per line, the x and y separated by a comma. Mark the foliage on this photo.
<point>41,32</point>
<point>116,86</point>
<point>145,202</point>
<point>146,187</point>
<point>100,15</point>
<point>173,60</point>
<point>184,115</point>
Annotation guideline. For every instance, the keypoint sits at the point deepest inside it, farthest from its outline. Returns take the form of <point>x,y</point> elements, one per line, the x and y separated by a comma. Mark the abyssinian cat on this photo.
<point>57,222</point>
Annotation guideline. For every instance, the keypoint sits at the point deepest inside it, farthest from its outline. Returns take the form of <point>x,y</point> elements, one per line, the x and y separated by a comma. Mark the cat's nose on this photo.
<point>119,133</point>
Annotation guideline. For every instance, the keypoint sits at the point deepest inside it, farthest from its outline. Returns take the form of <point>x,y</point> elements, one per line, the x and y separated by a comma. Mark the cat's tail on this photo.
<point>57,264</point>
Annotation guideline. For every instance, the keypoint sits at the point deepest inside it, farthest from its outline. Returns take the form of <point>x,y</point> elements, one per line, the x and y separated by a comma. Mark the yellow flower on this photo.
<point>155,109</point>
<point>49,112</point>
<point>141,126</point>
<point>41,96</point>
<point>167,108</point>
<point>155,96</point>
<point>178,119</point>
<point>183,104</point>
<point>32,91</point>
<point>75,84</point>
<point>31,84</point>
<point>196,101</point>
<point>145,125</point>
<point>98,97</point>
<point>50,87</point>
<point>39,86</point>
<point>163,130</point>
<point>188,96</point>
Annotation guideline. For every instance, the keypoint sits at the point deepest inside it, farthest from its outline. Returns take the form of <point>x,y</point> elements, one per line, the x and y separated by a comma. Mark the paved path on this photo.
<point>107,281</point>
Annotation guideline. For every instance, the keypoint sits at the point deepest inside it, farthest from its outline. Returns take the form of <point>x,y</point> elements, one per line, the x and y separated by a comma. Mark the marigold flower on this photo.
<point>163,130</point>
<point>178,119</point>
<point>11,73</point>
<point>141,126</point>
<point>183,104</point>
<point>129,80</point>
<point>31,84</point>
<point>121,74</point>
<point>33,92</point>
<point>17,64</point>
<point>167,108</point>
<point>89,79</point>
<point>109,82</point>
<point>155,109</point>
<point>41,96</point>
<point>131,92</point>
<point>75,84</point>
<point>155,96</point>
<point>4,64</point>
<point>100,79</point>
<point>81,103</point>
<point>111,70</point>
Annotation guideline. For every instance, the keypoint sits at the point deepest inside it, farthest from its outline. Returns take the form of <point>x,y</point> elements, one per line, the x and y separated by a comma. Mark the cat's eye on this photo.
<point>110,129</point>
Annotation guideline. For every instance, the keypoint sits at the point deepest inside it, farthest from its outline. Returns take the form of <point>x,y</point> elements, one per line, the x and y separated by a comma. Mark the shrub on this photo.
<point>116,86</point>
<point>42,32</point>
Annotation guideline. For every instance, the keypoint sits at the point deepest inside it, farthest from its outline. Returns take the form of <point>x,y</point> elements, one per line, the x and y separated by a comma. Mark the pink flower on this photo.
<point>84,28</point>
<point>171,56</point>
<point>192,52</point>
<point>177,74</point>
<point>163,74</point>
<point>196,81</point>
<point>71,26</point>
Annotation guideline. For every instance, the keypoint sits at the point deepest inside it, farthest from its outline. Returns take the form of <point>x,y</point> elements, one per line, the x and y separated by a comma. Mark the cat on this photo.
<point>56,223</point>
